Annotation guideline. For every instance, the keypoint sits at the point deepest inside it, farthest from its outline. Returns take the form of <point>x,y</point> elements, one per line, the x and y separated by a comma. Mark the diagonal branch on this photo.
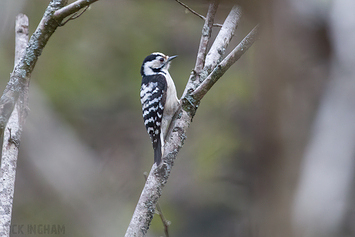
<point>223,39</point>
<point>21,73</point>
<point>157,178</point>
<point>72,8</point>
<point>74,16</point>
<point>20,76</point>
<point>221,68</point>
<point>165,222</point>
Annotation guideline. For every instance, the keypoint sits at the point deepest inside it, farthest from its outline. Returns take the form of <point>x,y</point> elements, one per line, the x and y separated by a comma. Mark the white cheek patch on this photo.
<point>148,68</point>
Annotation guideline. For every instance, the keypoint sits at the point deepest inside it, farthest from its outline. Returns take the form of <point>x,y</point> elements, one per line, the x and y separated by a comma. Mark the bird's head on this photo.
<point>156,63</point>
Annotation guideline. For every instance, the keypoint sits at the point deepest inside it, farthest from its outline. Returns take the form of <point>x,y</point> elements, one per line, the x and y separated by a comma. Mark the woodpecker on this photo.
<point>159,99</point>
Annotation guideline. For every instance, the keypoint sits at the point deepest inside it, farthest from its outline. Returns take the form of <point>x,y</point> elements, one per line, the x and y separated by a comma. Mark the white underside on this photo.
<point>170,107</point>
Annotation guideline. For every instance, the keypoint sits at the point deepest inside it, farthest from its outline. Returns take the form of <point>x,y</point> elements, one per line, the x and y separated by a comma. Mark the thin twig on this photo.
<point>191,10</point>
<point>74,16</point>
<point>205,36</point>
<point>196,13</point>
<point>165,222</point>
<point>72,8</point>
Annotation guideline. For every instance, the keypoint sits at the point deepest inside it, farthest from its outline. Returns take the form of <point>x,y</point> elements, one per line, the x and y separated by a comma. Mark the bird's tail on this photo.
<point>158,152</point>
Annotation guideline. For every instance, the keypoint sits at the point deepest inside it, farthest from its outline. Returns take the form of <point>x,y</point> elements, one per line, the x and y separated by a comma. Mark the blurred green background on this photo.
<point>85,148</point>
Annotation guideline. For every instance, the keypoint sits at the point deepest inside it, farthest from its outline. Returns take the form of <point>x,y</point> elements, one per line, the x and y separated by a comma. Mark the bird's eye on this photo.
<point>161,59</point>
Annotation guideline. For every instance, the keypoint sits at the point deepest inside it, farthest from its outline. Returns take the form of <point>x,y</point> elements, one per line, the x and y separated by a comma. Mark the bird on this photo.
<point>158,98</point>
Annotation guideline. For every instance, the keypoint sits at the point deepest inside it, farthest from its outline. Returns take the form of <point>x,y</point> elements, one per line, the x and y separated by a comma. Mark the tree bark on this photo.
<point>12,135</point>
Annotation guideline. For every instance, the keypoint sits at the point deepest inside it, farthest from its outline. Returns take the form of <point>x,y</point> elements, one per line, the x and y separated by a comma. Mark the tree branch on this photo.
<point>12,135</point>
<point>223,38</point>
<point>72,8</point>
<point>23,69</point>
<point>221,68</point>
<point>194,79</point>
<point>21,74</point>
<point>157,178</point>
<point>165,222</point>
<point>74,16</point>
<point>206,35</point>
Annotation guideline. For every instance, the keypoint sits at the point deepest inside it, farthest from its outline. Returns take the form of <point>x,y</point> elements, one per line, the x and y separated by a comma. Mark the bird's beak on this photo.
<point>171,58</point>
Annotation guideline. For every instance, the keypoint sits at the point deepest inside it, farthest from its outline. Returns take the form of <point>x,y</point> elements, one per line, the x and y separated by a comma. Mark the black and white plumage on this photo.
<point>159,99</point>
